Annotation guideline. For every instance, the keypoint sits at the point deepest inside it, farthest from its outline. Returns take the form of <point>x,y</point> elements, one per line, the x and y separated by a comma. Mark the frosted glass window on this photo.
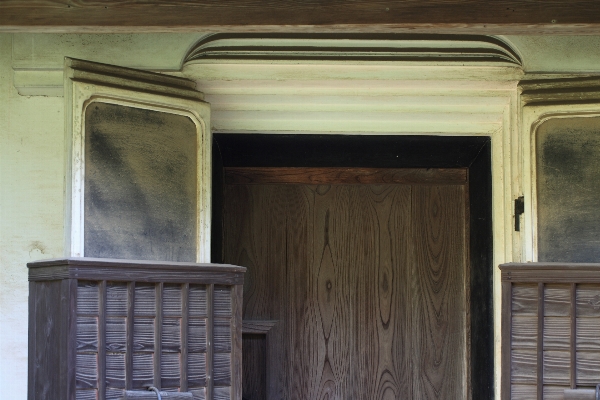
<point>140,184</point>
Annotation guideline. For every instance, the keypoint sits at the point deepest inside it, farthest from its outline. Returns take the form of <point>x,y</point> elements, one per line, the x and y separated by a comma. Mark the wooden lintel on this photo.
<point>411,16</point>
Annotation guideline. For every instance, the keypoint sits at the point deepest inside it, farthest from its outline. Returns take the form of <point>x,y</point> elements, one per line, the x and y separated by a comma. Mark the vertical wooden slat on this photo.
<point>158,335</point>
<point>573,342</point>
<point>540,343</point>
<point>31,346</point>
<point>210,296</point>
<point>69,310</point>
<point>102,341</point>
<point>185,294</point>
<point>506,339</point>
<point>236,342</point>
<point>129,349</point>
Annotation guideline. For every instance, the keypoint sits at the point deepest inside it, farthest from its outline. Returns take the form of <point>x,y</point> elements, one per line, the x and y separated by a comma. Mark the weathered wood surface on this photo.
<point>254,356</point>
<point>135,270</point>
<point>337,267</point>
<point>553,334</point>
<point>551,272</point>
<point>151,395</point>
<point>499,17</point>
<point>333,176</point>
<point>258,327</point>
<point>580,394</point>
<point>106,337</point>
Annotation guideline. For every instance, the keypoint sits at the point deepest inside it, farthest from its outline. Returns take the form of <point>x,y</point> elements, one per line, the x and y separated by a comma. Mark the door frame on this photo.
<point>388,151</point>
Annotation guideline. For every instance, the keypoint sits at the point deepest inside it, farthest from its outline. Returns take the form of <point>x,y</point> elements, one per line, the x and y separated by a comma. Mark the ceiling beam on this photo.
<point>415,16</point>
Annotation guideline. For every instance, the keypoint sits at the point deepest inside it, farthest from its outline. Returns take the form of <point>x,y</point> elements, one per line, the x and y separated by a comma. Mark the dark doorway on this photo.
<point>471,154</point>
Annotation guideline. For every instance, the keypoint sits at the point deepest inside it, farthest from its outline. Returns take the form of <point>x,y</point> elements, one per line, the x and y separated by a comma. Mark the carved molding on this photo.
<point>354,47</point>
<point>564,90</point>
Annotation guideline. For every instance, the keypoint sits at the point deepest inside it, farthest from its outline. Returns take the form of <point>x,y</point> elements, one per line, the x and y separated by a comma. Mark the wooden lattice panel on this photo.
<point>176,327</point>
<point>551,317</point>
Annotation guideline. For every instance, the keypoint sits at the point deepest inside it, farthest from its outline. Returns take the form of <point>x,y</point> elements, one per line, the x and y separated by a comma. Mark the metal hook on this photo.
<point>155,390</point>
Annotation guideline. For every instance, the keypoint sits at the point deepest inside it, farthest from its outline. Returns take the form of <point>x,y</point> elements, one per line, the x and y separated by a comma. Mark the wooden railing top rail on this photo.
<point>551,272</point>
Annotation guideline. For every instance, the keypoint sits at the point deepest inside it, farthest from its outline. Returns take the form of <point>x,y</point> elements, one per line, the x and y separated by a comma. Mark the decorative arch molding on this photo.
<point>427,48</point>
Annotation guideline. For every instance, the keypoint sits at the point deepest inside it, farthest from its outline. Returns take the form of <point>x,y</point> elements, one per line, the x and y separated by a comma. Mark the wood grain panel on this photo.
<point>116,334</point>
<point>588,330</point>
<point>115,370</point>
<point>222,336</point>
<point>557,368</point>
<point>222,369</point>
<point>557,300</point>
<point>523,392</point>
<point>222,393</point>
<point>143,370</point>
<point>171,335</point>
<point>197,301</point>
<point>439,305</point>
<point>87,298</point>
<point>554,392</point>
<point>222,301</point>
<point>588,368</point>
<point>151,395</point>
<point>185,302</point>
<point>557,333</point>
<point>87,334</point>
<point>145,300</point>
<point>524,366</point>
<point>432,16</point>
<point>116,299</point>
<point>102,340</point>
<point>524,300</point>
<point>143,334</point>
<point>114,394</point>
<point>254,357</point>
<point>48,296</point>
<point>170,370</point>
<point>524,332</point>
<point>196,369</point>
<point>588,300</point>
<point>334,264</point>
<point>81,394</point>
<point>86,375</point>
<point>348,176</point>
<point>197,335</point>
<point>199,394</point>
<point>171,305</point>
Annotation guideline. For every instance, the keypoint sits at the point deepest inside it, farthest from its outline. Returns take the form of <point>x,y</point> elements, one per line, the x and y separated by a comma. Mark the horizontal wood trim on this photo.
<point>346,176</point>
<point>551,272</point>
<point>138,271</point>
<point>497,17</point>
<point>258,327</point>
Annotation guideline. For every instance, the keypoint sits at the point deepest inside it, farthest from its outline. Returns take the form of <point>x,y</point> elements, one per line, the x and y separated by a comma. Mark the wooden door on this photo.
<point>365,272</point>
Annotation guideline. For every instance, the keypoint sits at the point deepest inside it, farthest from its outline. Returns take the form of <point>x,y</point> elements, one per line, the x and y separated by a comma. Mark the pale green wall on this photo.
<point>31,210</point>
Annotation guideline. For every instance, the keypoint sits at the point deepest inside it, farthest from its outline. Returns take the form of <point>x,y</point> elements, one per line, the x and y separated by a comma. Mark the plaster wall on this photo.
<point>31,209</point>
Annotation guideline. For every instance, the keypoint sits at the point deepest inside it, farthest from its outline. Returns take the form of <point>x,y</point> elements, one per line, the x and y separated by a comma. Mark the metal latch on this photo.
<point>519,210</point>
<point>155,390</point>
